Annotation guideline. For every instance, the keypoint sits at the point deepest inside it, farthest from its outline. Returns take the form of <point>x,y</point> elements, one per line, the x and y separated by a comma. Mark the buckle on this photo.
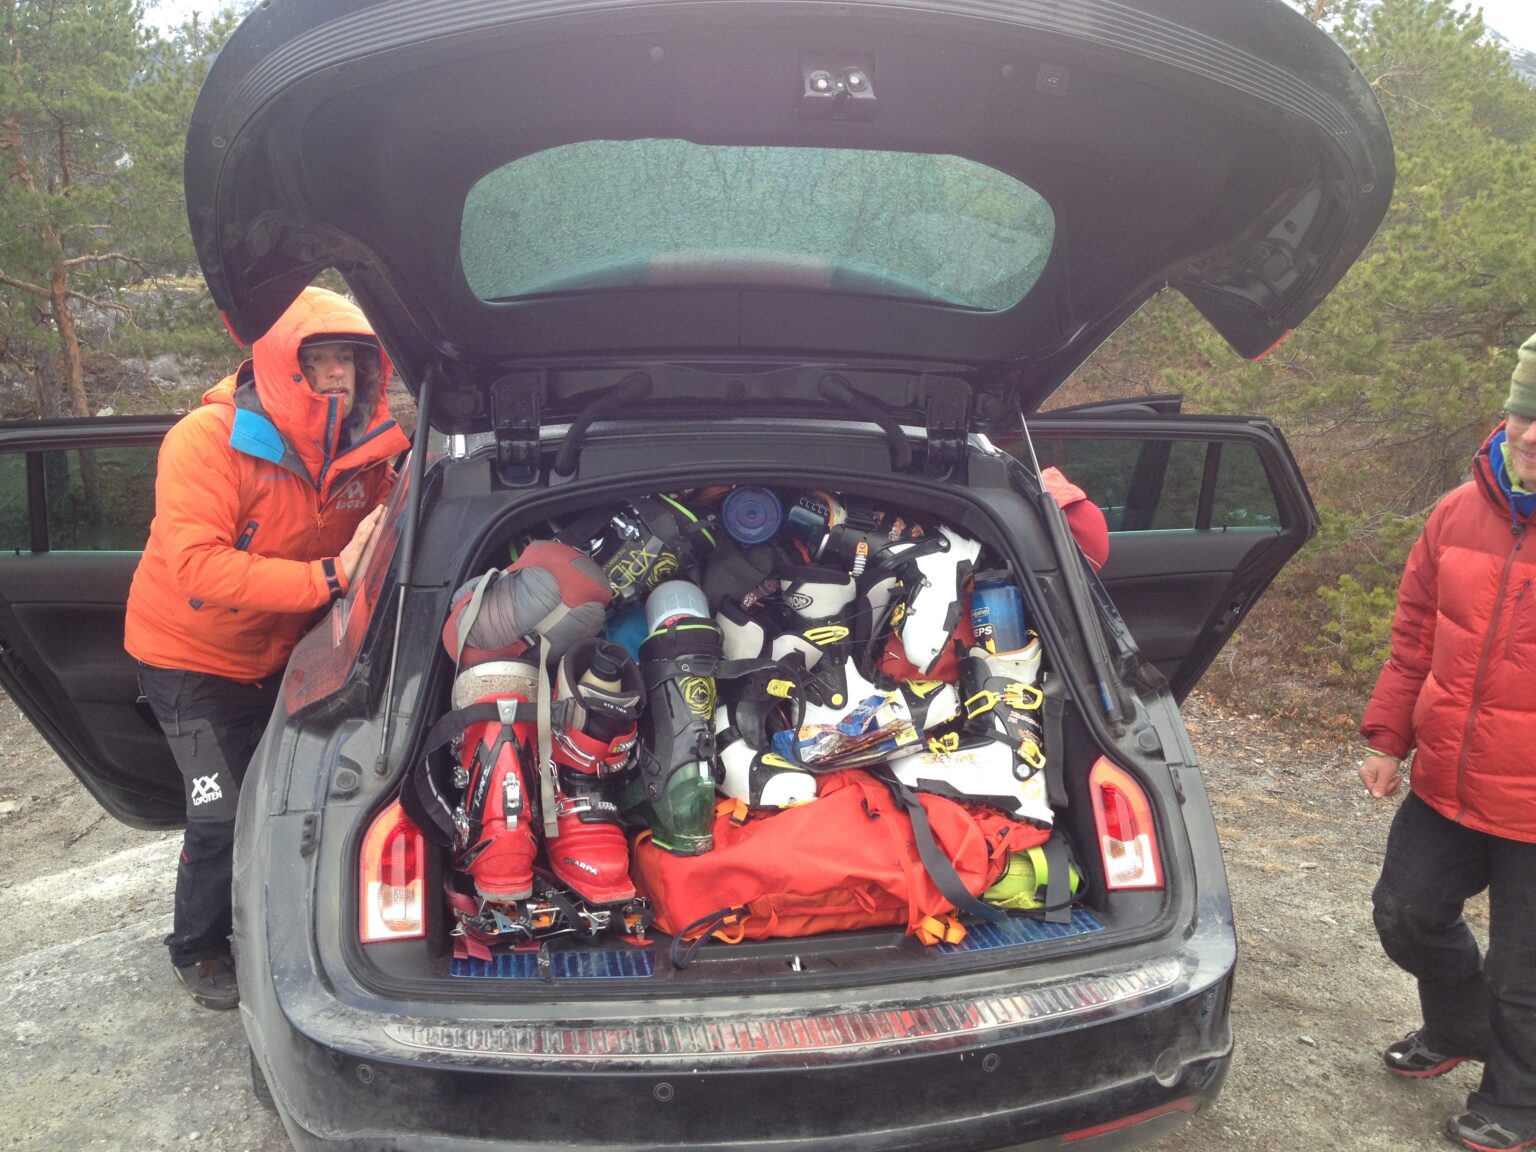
<point>1031,754</point>
<point>826,634</point>
<point>989,700</point>
<point>1025,697</point>
<point>945,744</point>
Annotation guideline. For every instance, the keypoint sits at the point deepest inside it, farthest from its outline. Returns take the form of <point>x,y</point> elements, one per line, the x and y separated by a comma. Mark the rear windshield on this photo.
<point>614,213</point>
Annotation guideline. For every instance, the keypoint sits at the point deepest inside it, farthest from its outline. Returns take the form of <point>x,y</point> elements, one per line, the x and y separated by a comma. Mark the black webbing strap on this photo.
<point>452,724</point>
<point>1058,881</point>
<point>940,869</point>
<point>1053,709</point>
<point>685,945</point>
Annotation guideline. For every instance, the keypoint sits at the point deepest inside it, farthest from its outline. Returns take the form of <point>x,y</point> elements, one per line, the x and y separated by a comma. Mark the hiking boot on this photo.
<point>211,982</point>
<point>1411,1057</point>
<point>1476,1131</point>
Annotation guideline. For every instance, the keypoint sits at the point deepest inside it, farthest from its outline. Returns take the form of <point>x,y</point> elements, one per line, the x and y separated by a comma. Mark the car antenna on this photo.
<point>418,471</point>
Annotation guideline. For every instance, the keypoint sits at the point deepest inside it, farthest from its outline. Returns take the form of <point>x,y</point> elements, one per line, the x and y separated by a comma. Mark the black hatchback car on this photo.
<point>832,254</point>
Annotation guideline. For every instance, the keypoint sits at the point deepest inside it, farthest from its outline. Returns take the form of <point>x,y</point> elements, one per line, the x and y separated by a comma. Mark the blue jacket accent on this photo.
<point>257,436</point>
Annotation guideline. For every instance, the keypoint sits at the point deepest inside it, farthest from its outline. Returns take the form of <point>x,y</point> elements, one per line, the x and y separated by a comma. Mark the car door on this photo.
<point>1203,512</point>
<point>76,500</point>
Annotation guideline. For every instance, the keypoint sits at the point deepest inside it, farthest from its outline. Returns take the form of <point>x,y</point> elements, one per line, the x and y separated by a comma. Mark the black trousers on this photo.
<point>1472,1004</point>
<point>213,726</point>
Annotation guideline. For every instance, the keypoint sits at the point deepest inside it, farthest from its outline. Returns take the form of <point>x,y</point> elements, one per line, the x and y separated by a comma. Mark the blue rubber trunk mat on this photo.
<point>1010,933</point>
<point>622,963</point>
<point>626,963</point>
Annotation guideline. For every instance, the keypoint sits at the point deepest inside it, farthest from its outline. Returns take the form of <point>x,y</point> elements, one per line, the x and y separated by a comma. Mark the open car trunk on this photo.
<point>486,947</point>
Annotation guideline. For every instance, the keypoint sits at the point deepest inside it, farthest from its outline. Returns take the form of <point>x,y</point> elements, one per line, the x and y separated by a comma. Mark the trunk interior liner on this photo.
<point>626,962</point>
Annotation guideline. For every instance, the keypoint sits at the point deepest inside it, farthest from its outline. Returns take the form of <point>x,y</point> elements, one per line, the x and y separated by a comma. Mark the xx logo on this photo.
<point>205,789</point>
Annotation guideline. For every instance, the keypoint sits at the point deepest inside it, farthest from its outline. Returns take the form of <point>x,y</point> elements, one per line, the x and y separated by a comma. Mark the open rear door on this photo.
<point>76,500</point>
<point>1203,512</point>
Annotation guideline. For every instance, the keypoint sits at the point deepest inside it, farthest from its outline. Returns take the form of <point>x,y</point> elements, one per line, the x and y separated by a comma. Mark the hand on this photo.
<point>1379,773</point>
<point>351,557</point>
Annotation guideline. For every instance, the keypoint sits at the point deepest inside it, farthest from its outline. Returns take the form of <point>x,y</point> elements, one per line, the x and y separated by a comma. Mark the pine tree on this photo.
<point>91,136</point>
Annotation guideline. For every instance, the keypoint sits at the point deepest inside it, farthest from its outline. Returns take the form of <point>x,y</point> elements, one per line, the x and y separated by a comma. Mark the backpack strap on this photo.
<point>686,945</point>
<point>940,869</point>
<point>1058,881</point>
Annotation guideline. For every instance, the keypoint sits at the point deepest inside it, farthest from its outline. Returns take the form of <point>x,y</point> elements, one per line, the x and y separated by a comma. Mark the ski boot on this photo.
<point>594,722</point>
<point>645,542</point>
<point>675,792</point>
<point>994,750</point>
<point>495,822</point>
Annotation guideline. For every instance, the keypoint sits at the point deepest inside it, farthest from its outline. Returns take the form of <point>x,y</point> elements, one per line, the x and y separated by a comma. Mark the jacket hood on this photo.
<point>312,423</point>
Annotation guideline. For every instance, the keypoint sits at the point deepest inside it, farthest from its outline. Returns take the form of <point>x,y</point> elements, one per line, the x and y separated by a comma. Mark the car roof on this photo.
<point>518,186</point>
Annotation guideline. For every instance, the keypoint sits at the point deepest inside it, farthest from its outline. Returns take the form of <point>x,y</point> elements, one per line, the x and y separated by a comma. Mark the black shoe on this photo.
<point>1476,1131</point>
<point>211,982</point>
<point>1411,1057</point>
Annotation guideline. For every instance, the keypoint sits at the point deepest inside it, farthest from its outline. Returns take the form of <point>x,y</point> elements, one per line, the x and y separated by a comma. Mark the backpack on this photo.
<point>850,859</point>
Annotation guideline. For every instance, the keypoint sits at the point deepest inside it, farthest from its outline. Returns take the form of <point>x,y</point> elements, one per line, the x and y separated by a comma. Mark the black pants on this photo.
<point>1482,1006</point>
<point>213,726</point>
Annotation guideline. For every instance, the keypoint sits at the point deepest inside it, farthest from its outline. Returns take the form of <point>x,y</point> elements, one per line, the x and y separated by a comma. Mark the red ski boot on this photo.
<point>497,759</point>
<point>597,701</point>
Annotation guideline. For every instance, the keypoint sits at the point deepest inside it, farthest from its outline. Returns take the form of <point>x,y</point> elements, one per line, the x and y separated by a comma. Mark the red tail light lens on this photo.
<point>1127,833</point>
<point>392,879</point>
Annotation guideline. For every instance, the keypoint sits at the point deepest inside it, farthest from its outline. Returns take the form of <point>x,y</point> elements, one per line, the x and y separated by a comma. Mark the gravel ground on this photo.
<point>100,1049</point>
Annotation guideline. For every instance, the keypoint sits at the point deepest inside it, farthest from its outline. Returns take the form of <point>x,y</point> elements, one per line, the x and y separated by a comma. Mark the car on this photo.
<point>839,252</point>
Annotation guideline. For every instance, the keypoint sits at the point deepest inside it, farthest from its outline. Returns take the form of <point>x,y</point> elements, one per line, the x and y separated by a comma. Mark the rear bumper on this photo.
<point>351,1080</point>
<point>1023,1095</point>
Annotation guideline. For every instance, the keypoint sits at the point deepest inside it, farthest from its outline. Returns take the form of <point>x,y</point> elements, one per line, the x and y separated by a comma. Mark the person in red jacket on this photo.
<point>1085,519</point>
<point>265,498</point>
<point>1459,693</point>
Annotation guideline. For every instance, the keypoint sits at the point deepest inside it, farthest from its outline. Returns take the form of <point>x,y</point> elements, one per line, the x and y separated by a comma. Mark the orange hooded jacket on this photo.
<point>254,489</point>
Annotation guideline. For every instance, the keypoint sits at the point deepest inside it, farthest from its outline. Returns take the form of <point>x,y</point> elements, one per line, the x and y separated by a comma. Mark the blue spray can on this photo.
<point>997,615</point>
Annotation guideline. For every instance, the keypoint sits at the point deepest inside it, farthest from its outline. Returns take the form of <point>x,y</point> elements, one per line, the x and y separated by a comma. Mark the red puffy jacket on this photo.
<point>254,490</point>
<point>1460,684</point>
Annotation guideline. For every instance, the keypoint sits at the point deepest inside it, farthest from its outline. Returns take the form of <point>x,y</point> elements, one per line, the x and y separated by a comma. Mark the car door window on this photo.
<point>80,500</point>
<point>1167,485</point>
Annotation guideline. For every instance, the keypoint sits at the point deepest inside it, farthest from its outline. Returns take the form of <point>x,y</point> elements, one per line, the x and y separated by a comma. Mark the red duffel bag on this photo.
<point>849,859</point>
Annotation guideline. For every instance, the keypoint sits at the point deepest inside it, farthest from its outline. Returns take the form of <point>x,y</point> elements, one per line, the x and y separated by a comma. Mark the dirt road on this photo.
<point>100,1050</point>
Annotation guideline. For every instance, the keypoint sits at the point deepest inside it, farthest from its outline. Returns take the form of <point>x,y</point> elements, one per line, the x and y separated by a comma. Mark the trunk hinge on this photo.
<point>515,419</point>
<point>949,423</point>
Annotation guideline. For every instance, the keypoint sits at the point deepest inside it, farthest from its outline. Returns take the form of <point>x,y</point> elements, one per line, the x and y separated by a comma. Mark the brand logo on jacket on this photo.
<point>352,497</point>
<point>205,790</point>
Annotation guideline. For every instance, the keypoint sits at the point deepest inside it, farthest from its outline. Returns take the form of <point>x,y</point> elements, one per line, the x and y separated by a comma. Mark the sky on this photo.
<point>1514,19</point>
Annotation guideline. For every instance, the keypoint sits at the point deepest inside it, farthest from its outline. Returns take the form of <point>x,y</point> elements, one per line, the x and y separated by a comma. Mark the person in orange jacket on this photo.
<point>265,499</point>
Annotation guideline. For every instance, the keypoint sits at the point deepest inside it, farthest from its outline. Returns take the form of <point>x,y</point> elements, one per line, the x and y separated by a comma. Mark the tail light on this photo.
<point>1127,833</point>
<point>392,879</point>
